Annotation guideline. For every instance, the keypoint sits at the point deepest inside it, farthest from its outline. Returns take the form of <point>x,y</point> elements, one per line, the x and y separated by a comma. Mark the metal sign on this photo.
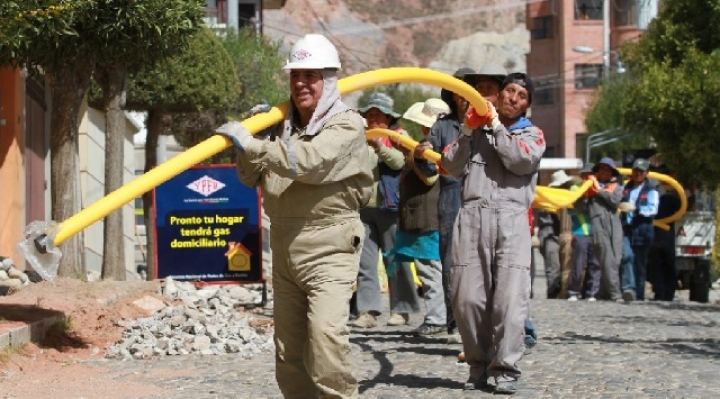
<point>207,227</point>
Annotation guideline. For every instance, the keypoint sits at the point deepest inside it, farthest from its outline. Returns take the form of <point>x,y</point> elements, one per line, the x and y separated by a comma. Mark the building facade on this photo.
<point>569,57</point>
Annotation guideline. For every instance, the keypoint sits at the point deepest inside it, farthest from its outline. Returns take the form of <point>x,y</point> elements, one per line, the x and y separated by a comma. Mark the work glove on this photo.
<point>626,207</point>
<point>473,120</point>
<point>237,133</point>
<point>259,108</point>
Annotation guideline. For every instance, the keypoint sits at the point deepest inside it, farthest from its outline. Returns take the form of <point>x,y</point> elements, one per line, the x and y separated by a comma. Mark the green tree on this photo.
<point>674,93</point>
<point>68,40</point>
<point>201,78</point>
<point>50,35</point>
<point>605,118</point>
<point>132,35</point>
<point>258,66</point>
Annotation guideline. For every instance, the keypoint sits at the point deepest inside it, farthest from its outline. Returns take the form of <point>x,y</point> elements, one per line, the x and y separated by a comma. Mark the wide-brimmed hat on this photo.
<point>608,162</point>
<point>492,70</point>
<point>426,113</point>
<point>559,178</point>
<point>382,102</point>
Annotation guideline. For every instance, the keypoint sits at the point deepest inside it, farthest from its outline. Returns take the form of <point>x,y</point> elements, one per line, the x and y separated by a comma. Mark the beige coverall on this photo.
<point>312,188</point>
<point>490,274</point>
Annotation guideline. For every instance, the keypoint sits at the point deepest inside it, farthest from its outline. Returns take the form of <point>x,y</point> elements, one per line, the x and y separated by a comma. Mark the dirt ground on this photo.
<point>53,368</point>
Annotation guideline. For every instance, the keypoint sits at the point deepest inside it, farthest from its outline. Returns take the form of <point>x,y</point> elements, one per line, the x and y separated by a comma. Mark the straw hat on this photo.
<point>426,113</point>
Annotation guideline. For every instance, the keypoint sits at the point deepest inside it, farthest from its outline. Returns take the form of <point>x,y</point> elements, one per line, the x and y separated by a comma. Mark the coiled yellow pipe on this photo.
<point>217,143</point>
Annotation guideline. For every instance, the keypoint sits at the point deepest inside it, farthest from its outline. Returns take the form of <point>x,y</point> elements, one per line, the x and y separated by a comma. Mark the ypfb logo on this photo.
<point>206,185</point>
<point>301,55</point>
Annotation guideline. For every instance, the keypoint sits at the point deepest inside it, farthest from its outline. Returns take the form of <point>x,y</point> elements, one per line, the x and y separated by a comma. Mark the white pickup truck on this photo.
<point>694,240</point>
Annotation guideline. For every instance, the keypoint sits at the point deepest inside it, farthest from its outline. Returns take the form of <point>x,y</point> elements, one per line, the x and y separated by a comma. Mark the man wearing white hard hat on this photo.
<point>315,176</point>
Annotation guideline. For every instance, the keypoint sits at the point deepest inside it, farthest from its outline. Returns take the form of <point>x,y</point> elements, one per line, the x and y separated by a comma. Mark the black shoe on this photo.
<point>506,387</point>
<point>473,384</point>
<point>428,329</point>
<point>628,296</point>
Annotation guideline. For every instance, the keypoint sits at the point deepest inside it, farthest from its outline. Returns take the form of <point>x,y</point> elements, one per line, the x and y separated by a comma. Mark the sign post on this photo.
<point>207,228</point>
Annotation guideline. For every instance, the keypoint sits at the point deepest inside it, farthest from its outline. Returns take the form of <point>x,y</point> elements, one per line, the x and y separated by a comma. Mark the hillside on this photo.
<point>440,34</point>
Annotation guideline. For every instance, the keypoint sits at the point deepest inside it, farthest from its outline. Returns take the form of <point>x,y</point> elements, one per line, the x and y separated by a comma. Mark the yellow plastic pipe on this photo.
<point>404,141</point>
<point>664,223</point>
<point>217,143</point>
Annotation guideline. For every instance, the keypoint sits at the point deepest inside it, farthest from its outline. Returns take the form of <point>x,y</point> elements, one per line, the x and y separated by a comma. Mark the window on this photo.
<point>544,95</point>
<point>588,76</point>
<point>542,28</point>
<point>588,9</point>
<point>139,212</point>
<point>246,14</point>
<point>624,12</point>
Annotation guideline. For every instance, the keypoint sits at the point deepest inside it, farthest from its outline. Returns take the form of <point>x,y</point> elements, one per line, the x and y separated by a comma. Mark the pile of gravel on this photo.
<point>199,321</point>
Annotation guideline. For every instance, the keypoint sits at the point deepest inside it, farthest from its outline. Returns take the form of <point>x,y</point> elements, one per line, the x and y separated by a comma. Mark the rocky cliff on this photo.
<point>439,34</point>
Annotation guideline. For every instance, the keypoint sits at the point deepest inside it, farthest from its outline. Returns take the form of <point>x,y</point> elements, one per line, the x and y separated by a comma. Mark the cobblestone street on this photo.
<point>585,350</point>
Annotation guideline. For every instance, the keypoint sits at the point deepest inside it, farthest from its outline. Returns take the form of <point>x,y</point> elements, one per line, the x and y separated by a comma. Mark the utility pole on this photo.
<point>606,40</point>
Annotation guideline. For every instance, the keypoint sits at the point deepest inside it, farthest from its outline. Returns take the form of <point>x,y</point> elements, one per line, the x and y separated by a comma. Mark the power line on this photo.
<point>326,30</point>
<point>451,14</point>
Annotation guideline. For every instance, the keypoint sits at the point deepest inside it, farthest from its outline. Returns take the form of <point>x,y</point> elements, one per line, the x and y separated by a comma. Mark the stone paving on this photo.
<point>585,350</point>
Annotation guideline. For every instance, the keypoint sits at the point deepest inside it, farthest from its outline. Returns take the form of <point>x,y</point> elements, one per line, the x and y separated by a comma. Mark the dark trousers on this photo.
<point>550,249</point>
<point>661,266</point>
<point>583,258</point>
<point>448,207</point>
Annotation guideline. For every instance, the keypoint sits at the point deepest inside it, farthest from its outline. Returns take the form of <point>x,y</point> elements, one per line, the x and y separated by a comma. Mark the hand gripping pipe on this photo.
<point>217,143</point>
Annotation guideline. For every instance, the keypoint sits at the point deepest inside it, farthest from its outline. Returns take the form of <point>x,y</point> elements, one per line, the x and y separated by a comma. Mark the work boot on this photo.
<point>479,384</point>
<point>365,320</point>
<point>428,329</point>
<point>454,338</point>
<point>506,387</point>
<point>398,319</point>
<point>628,296</point>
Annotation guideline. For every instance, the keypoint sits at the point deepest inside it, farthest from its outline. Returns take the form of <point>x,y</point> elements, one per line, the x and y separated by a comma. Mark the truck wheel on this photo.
<point>700,284</point>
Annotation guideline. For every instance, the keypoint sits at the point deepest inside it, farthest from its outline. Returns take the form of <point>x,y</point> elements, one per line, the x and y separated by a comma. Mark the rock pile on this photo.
<point>203,321</point>
<point>11,278</point>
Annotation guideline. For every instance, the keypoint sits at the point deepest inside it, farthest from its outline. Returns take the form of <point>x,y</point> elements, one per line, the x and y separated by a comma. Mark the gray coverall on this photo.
<point>490,276</point>
<point>312,187</point>
<point>607,235</point>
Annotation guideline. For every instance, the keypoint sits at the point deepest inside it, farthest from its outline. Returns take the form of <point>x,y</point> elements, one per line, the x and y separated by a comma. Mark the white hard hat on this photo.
<point>313,51</point>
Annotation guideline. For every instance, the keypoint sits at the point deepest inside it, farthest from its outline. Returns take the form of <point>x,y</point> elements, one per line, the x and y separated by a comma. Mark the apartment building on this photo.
<point>573,46</point>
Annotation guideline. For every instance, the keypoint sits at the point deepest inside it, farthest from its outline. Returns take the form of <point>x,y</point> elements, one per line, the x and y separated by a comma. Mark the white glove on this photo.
<point>626,207</point>
<point>495,122</point>
<point>261,107</point>
<point>236,132</point>
<point>465,130</point>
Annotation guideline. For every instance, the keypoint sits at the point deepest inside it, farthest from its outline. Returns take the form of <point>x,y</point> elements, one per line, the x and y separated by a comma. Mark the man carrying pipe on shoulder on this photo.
<point>315,175</point>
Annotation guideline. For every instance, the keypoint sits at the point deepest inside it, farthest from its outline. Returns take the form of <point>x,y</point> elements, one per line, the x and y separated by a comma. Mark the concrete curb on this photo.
<point>34,332</point>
